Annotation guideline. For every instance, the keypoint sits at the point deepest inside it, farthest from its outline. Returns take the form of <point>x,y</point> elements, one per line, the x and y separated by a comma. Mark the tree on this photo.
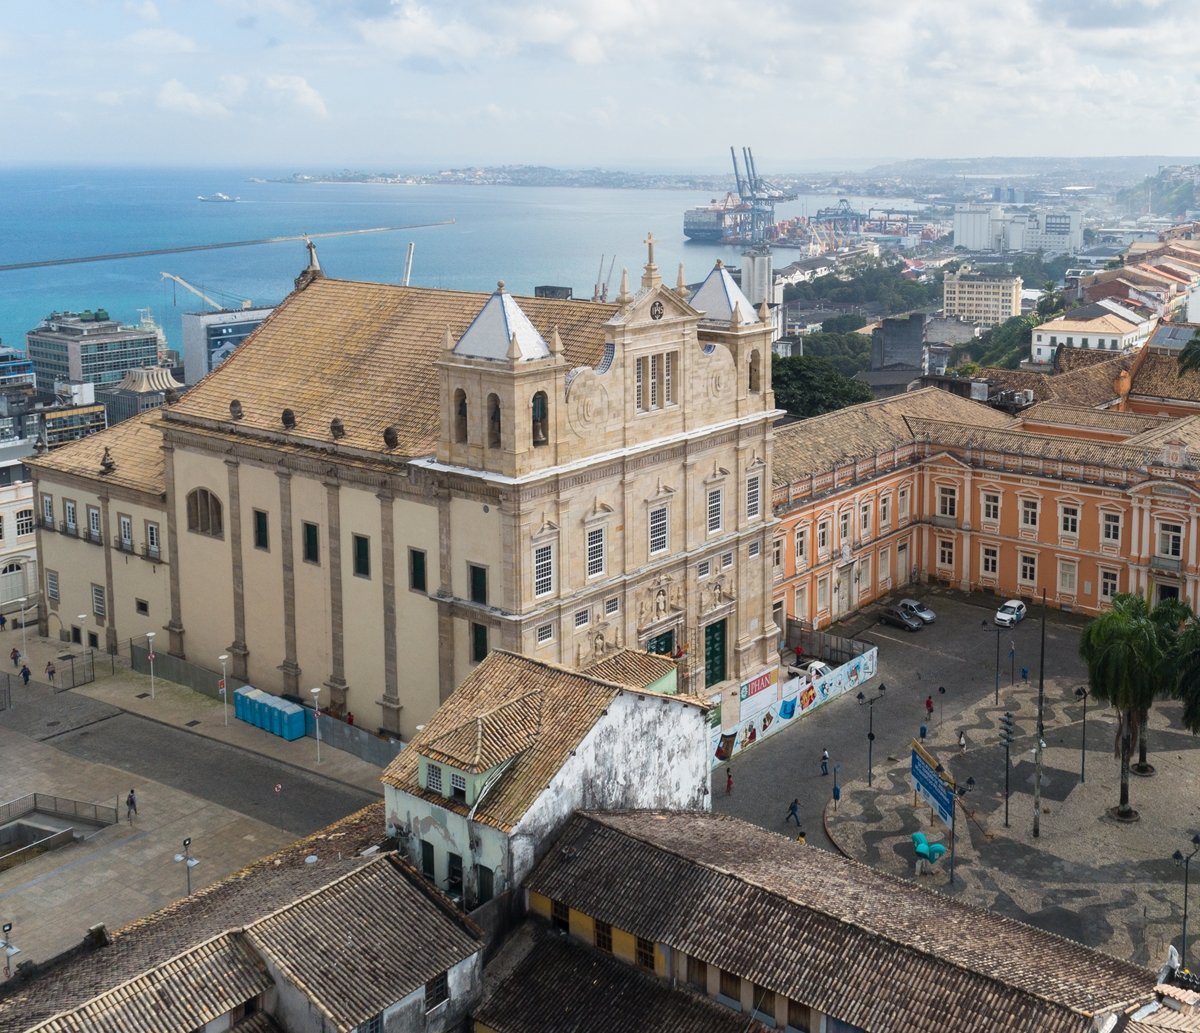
<point>1050,300</point>
<point>806,386</point>
<point>1189,356</point>
<point>1170,617</point>
<point>1119,648</point>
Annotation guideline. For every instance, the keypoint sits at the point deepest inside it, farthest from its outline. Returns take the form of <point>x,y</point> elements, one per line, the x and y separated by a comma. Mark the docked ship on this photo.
<point>217,197</point>
<point>726,221</point>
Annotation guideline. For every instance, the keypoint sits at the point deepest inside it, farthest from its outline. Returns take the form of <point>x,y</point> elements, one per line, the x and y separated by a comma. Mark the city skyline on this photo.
<point>621,84</point>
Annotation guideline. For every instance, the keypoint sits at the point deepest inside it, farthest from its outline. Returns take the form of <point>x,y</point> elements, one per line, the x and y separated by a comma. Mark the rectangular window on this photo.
<point>416,570</point>
<point>947,502</point>
<point>485,883</point>
<point>945,552</point>
<point>864,520</point>
<point>261,534</point>
<point>885,510</point>
<point>1028,567</point>
<point>823,537</point>
<point>822,594</point>
<point>1170,540</point>
<point>437,991</point>
<point>639,387</point>
<point>697,974</point>
<point>755,549</point>
<point>433,778</point>
<point>844,527</point>
<point>669,379</point>
<point>479,642</point>
<point>1067,576</point>
<point>152,546</point>
<point>142,607</point>
<point>25,523</point>
<point>362,555</point>
<point>801,543</point>
<point>477,580</point>
<point>753,497</point>
<point>583,618</point>
<point>731,986</point>
<point>52,584</point>
<point>645,953</point>
<point>903,504</point>
<point>1070,520</point>
<point>125,526</point>
<point>93,515</point>
<point>545,634</point>
<point>991,506</point>
<point>98,600</point>
<point>764,1001</point>
<point>1111,527</point>
<point>310,542</point>
<point>797,1017</point>
<point>658,530</point>
<point>1029,513</point>
<point>427,862</point>
<point>48,510</point>
<point>604,936</point>
<point>1108,584</point>
<point>726,560</point>
<point>69,515</point>
<point>703,568</point>
<point>715,498</point>
<point>560,915</point>
<point>777,555</point>
<point>595,552</point>
<point>458,787</point>
<point>991,560</point>
<point>612,606</point>
<point>543,570</point>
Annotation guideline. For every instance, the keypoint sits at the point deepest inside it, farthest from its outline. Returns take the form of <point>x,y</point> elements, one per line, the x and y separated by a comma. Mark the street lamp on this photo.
<point>998,666</point>
<point>1082,693</point>
<point>941,693</point>
<point>1006,737</point>
<point>150,657</point>
<point>11,950</point>
<point>959,792</point>
<point>224,695</point>
<point>189,862</point>
<point>316,694</point>
<point>871,728</point>
<point>1180,859</point>
<point>23,601</point>
<point>837,789</point>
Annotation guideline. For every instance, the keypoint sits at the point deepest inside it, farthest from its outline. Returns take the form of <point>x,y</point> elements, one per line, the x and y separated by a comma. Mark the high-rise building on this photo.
<point>981,297</point>
<point>87,347</point>
<point>209,338</point>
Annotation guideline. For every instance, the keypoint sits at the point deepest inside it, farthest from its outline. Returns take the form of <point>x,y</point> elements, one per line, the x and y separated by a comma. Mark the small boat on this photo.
<point>217,197</point>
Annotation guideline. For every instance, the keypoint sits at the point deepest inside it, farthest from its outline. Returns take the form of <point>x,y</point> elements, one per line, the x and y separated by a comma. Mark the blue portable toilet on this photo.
<point>275,715</point>
<point>254,704</point>
<point>293,722</point>
<point>240,702</point>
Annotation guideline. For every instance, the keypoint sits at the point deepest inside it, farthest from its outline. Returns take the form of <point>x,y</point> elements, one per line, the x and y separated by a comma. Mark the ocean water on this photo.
<point>524,236</point>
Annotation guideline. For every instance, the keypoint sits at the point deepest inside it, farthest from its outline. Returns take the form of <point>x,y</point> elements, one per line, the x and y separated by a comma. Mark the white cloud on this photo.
<point>296,90</point>
<point>147,10</point>
<point>157,42</point>
<point>174,96</point>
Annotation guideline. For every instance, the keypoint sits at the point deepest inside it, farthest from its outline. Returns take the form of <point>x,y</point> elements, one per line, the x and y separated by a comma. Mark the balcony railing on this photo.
<point>944,521</point>
<point>123,544</point>
<point>47,522</point>
<point>152,553</point>
<point>1166,563</point>
<point>70,530</point>
<point>95,537</point>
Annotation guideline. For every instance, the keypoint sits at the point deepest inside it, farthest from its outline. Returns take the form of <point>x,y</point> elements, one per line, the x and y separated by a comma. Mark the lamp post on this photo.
<point>1041,735</point>
<point>1006,737</point>
<point>10,949</point>
<point>941,696</point>
<point>997,666</point>
<point>871,729</point>
<point>23,601</point>
<point>959,792</point>
<point>189,862</point>
<point>1082,693</point>
<point>837,789</point>
<point>150,657</point>
<point>316,694</point>
<point>1181,859</point>
<point>224,695</point>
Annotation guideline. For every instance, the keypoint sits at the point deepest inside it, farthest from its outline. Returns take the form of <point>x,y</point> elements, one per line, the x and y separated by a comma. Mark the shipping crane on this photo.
<point>243,303</point>
<point>759,194</point>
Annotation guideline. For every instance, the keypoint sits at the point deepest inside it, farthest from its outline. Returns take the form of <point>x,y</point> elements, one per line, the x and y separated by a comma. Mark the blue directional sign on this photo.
<point>930,786</point>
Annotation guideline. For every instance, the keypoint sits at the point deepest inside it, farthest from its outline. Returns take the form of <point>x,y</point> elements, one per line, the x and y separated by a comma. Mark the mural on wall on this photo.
<point>767,706</point>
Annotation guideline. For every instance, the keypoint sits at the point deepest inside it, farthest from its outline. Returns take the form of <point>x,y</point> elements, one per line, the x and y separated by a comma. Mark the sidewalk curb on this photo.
<point>829,835</point>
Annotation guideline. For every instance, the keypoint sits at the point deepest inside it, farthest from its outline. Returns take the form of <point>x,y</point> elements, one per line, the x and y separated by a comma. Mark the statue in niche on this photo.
<point>599,646</point>
<point>660,603</point>
<point>641,612</point>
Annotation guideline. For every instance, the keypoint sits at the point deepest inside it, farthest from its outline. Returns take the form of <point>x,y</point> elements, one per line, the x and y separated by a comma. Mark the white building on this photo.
<point>18,527</point>
<point>209,338</point>
<point>522,744</point>
<point>990,227</point>
<point>1107,332</point>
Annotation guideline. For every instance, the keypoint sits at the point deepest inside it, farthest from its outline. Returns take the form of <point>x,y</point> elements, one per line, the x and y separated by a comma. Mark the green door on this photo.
<point>714,653</point>
<point>427,859</point>
<point>663,644</point>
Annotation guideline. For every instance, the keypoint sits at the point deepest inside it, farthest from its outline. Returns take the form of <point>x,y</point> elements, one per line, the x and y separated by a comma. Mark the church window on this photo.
<point>493,404</point>
<point>658,530</point>
<point>595,551</point>
<point>540,410</point>
<point>204,513</point>
<point>753,497</point>
<point>460,416</point>
<point>543,570</point>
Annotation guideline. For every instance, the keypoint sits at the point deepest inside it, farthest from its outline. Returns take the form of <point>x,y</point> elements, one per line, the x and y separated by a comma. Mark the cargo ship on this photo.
<point>725,221</point>
<point>218,197</point>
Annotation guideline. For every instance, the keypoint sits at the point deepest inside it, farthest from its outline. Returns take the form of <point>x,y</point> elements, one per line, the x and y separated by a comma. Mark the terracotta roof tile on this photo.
<point>1061,414</point>
<point>135,446</point>
<point>827,931</point>
<point>1159,377</point>
<point>489,739</point>
<point>632,667</point>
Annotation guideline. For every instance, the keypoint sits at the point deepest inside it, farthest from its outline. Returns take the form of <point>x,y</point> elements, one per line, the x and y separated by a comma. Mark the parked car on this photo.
<point>810,669</point>
<point>898,618</point>
<point>1012,612</point>
<point>917,609</point>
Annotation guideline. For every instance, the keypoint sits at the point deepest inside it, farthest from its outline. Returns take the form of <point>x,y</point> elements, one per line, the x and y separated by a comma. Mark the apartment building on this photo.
<point>980,297</point>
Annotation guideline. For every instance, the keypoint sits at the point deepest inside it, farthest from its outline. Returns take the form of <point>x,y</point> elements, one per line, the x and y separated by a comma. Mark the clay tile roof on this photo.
<point>1061,414</point>
<point>1035,443</point>
<point>1067,360</point>
<point>828,931</point>
<point>365,353</point>
<point>860,431</point>
<point>1159,377</point>
<point>632,667</point>
<point>489,739</point>
<point>135,446</point>
<point>1109,323</point>
<point>571,704</point>
<point>546,983</point>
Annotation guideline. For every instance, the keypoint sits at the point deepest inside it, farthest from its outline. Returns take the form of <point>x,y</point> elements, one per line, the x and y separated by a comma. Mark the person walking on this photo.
<point>15,656</point>
<point>824,762</point>
<point>51,671</point>
<point>131,806</point>
<point>3,622</point>
<point>928,708</point>
<point>962,742</point>
<point>26,673</point>
<point>728,781</point>
<point>793,813</point>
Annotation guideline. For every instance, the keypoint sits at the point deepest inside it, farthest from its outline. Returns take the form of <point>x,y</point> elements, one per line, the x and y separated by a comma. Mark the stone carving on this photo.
<point>587,404</point>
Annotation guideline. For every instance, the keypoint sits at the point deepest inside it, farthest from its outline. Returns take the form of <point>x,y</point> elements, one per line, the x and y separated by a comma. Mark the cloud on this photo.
<point>147,10</point>
<point>295,90</point>
<point>174,96</point>
<point>160,41</point>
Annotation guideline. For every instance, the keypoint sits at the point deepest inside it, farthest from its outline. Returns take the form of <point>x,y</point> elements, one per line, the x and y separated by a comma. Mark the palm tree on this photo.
<point>1119,647</point>
<point>1189,356</point>
<point>1187,685</point>
<point>1170,617</point>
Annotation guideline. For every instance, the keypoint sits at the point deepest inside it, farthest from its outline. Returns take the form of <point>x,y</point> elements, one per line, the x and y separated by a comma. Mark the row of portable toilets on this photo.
<point>270,713</point>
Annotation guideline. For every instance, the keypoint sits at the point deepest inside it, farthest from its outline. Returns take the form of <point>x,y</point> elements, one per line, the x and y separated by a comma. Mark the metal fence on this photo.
<point>181,672</point>
<point>59,806</point>
<point>74,669</point>
<point>833,649</point>
<point>38,846</point>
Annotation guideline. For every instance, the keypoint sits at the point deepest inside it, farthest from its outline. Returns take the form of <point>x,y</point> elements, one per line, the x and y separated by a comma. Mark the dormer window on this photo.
<point>433,778</point>
<point>458,787</point>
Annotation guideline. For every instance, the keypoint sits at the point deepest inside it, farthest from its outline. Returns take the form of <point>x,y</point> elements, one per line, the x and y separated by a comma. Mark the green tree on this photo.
<point>807,386</point>
<point>1050,300</point>
<point>1189,356</point>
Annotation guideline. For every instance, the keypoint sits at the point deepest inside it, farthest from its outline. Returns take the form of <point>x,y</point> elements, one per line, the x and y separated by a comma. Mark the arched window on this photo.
<point>540,409</point>
<point>493,409</point>
<point>460,415</point>
<point>755,372</point>
<point>204,513</point>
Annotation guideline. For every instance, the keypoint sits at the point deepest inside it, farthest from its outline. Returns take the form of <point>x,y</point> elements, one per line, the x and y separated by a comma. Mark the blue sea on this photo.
<point>525,236</point>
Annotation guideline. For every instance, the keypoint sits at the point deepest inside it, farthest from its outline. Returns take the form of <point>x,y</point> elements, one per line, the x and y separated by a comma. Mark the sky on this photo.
<point>619,84</point>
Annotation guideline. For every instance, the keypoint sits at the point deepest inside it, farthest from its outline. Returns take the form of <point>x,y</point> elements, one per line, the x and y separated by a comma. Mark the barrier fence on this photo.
<point>59,806</point>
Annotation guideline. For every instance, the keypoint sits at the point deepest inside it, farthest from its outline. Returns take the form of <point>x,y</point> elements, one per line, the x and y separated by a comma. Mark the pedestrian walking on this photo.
<point>26,673</point>
<point>15,656</point>
<point>928,708</point>
<point>824,762</point>
<point>51,671</point>
<point>3,622</point>
<point>1025,675</point>
<point>793,813</point>
<point>962,742</point>
<point>131,806</point>
<point>728,781</point>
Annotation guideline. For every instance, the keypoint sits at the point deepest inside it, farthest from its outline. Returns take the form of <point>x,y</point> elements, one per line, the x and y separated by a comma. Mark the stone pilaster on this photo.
<point>175,626</point>
<point>290,666</point>
<point>233,525</point>
<point>391,692</point>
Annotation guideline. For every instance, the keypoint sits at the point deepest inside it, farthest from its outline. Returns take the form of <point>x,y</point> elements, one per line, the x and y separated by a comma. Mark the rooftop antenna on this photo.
<point>408,264</point>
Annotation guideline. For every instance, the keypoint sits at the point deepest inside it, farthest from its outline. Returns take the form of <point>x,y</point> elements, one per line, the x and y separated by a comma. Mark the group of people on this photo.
<point>22,665</point>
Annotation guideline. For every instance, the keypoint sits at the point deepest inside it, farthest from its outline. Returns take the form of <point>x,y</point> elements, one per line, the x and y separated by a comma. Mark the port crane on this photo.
<point>243,303</point>
<point>759,194</point>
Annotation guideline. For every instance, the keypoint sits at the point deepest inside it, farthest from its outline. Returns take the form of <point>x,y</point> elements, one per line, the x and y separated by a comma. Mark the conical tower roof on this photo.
<point>502,332</point>
<point>721,300</point>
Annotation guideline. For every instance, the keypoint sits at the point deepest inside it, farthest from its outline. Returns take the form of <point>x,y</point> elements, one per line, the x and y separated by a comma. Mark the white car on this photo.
<point>917,609</point>
<point>1012,612</point>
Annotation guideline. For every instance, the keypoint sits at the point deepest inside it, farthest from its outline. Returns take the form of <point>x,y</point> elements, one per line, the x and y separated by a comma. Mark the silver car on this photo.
<point>917,609</point>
